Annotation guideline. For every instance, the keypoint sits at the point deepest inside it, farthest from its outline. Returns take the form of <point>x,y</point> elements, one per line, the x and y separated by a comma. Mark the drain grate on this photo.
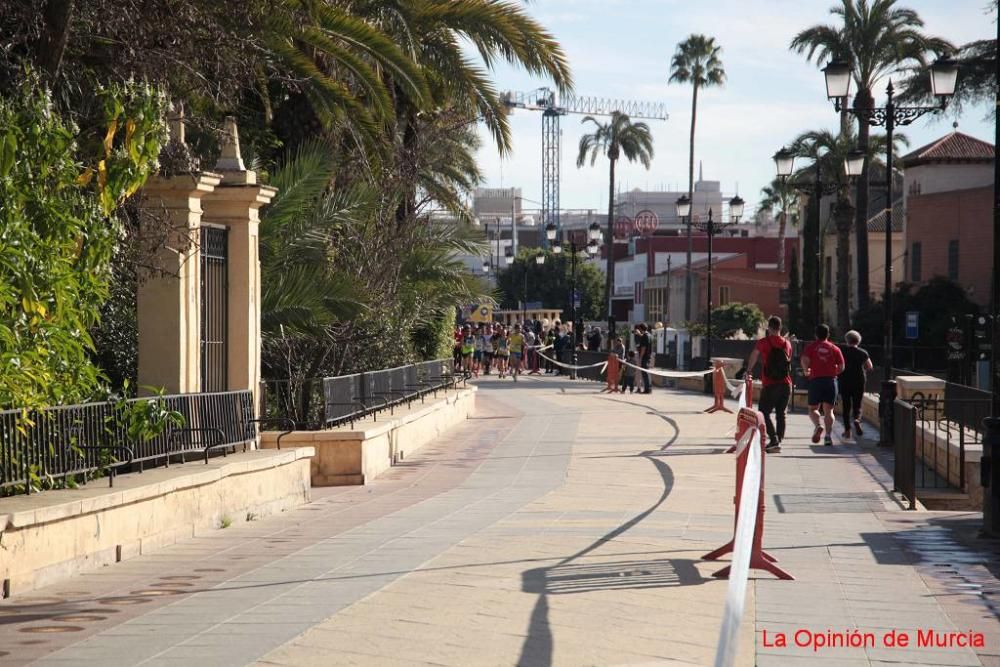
<point>829,503</point>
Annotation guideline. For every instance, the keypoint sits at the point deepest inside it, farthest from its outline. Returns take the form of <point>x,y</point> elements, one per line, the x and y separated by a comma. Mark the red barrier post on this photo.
<point>749,391</point>
<point>613,371</point>
<point>718,391</point>
<point>759,559</point>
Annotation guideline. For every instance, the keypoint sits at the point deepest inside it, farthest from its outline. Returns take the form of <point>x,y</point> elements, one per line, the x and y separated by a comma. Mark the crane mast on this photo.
<point>552,108</point>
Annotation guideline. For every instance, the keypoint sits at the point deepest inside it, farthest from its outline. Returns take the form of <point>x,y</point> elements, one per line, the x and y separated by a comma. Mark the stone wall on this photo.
<point>50,536</point>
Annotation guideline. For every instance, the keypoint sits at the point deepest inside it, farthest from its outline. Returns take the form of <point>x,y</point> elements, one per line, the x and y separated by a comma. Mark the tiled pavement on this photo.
<point>559,526</point>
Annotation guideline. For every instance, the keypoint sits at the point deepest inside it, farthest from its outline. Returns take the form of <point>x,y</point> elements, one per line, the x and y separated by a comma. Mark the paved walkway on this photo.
<point>558,527</point>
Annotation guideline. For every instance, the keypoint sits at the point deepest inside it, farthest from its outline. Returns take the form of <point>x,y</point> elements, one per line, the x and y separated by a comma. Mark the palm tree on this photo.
<point>876,38</point>
<point>618,137</point>
<point>697,62</point>
<point>780,196</point>
<point>828,152</point>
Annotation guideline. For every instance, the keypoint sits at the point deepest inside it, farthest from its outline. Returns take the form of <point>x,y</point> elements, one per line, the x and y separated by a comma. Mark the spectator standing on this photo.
<point>775,354</point>
<point>644,352</point>
<point>550,342</point>
<point>822,362</point>
<point>629,373</point>
<point>594,340</point>
<point>857,363</point>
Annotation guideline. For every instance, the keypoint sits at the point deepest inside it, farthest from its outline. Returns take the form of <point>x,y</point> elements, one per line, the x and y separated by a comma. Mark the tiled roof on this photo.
<point>876,223</point>
<point>953,147</point>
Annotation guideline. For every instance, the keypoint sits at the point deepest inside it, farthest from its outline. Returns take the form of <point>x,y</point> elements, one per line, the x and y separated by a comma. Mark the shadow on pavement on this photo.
<point>571,576</point>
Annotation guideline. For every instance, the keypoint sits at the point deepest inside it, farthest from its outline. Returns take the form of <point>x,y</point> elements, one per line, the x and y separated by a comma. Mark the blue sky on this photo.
<point>622,49</point>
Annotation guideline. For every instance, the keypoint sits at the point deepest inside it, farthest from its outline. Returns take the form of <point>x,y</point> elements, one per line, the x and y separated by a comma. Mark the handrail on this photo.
<point>112,448</point>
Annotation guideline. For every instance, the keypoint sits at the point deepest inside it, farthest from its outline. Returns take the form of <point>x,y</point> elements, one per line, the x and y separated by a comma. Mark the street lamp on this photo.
<point>854,163</point>
<point>594,232</point>
<point>944,73</point>
<point>713,227</point>
<point>784,162</point>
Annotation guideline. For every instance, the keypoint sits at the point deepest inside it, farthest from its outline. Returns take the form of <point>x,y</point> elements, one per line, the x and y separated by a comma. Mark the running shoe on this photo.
<point>817,434</point>
<point>773,447</point>
<point>857,427</point>
<point>828,442</point>
<point>847,434</point>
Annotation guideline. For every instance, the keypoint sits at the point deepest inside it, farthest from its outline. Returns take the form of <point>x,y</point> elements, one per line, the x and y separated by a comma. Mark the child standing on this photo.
<point>629,373</point>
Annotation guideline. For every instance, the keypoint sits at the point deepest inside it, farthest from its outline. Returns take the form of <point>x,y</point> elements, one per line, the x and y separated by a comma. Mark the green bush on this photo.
<point>58,233</point>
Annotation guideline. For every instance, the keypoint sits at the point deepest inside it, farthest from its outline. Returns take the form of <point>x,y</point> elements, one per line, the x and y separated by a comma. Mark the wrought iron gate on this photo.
<point>214,308</point>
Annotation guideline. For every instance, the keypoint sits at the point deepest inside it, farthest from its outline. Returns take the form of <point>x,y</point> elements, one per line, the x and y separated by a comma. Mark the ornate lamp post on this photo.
<point>838,74</point>
<point>713,227</point>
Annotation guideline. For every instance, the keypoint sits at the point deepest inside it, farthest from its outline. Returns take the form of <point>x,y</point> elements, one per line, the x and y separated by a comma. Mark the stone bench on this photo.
<point>356,455</point>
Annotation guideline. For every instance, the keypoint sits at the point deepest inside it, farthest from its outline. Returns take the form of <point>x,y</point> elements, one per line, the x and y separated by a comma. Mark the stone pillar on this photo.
<point>235,204</point>
<point>169,312</point>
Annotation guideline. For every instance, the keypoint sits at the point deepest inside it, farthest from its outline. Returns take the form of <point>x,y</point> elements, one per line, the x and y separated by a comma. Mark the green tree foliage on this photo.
<point>551,283</point>
<point>976,84</point>
<point>782,199</point>
<point>696,61</point>
<point>57,234</point>
<point>617,138</point>
<point>938,301</point>
<point>875,37</point>
<point>732,318</point>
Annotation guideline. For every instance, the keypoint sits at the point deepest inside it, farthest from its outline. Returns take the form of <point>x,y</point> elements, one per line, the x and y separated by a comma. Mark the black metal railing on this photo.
<point>344,399</point>
<point>945,428</point>
<point>68,445</point>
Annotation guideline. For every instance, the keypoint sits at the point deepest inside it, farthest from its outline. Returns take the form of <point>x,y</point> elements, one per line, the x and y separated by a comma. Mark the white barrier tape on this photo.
<point>732,615</point>
<point>666,374</point>
<point>742,443</point>
<point>603,365</point>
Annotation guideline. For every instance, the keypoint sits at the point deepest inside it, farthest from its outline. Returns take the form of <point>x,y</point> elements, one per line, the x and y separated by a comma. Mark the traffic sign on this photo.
<point>912,325</point>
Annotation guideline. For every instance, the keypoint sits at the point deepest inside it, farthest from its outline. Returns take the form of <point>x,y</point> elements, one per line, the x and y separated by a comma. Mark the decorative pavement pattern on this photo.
<point>559,526</point>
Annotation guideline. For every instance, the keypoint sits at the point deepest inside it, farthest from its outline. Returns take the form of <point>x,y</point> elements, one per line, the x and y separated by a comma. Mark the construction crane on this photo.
<point>545,100</point>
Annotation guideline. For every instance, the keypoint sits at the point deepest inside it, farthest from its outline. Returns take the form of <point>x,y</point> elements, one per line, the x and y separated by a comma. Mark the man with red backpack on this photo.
<point>775,353</point>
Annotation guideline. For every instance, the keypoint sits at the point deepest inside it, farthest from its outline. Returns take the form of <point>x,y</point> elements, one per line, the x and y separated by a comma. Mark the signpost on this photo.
<point>912,325</point>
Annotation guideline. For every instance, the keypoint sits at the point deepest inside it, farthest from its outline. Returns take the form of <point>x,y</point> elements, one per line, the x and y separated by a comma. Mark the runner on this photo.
<point>487,349</point>
<point>857,363</point>
<point>775,354</point>
<point>468,347</point>
<point>477,355</point>
<point>501,351</point>
<point>822,362</point>
<point>516,351</point>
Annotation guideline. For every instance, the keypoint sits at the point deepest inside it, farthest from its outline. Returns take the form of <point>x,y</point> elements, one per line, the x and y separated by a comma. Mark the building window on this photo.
<point>953,259</point>
<point>723,295</point>
<point>915,260</point>
<point>828,283</point>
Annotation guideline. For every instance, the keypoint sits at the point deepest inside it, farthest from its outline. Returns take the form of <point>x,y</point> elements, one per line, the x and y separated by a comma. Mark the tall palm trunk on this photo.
<point>844,213</point>
<point>782,222</point>
<point>690,244</point>
<point>609,279</point>
<point>862,101</point>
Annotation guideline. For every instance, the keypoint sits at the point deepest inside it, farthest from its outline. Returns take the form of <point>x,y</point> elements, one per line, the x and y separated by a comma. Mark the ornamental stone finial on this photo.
<point>230,158</point>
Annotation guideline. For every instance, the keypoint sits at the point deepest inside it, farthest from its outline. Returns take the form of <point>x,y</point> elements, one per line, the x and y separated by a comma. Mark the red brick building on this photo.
<point>949,213</point>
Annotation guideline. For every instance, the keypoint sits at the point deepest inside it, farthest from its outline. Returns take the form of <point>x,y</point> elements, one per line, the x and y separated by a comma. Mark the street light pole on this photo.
<point>838,74</point>
<point>711,228</point>
<point>991,438</point>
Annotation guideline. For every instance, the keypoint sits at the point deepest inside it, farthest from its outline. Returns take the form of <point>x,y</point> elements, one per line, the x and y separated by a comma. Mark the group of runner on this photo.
<point>491,346</point>
<point>830,372</point>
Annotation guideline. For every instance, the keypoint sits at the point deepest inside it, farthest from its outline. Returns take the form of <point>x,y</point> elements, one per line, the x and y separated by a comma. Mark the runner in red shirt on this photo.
<point>822,362</point>
<point>775,354</point>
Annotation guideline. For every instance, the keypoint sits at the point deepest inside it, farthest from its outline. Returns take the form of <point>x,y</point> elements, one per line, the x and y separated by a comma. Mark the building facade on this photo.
<point>949,213</point>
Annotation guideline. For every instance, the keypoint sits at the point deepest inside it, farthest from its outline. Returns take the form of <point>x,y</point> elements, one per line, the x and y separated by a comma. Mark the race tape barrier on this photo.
<point>747,543</point>
<point>602,364</point>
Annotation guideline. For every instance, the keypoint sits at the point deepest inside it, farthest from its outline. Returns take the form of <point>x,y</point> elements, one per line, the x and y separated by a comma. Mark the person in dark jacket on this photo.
<point>857,363</point>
